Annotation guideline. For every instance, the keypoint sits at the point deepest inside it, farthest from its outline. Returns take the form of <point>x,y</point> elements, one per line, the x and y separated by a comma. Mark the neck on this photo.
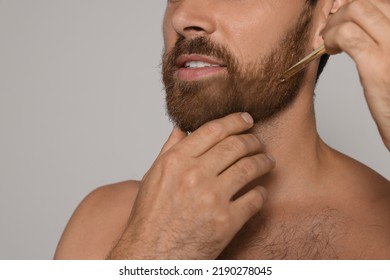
<point>292,139</point>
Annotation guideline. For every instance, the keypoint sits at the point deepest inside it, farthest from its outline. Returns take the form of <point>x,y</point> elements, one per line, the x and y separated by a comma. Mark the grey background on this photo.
<point>82,105</point>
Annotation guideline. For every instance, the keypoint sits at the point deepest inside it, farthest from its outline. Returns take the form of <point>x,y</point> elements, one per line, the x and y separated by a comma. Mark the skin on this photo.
<point>183,206</point>
<point>359,29</point>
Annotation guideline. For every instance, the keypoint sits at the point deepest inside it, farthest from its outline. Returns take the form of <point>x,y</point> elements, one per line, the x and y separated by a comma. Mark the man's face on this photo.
<point>224,56</point>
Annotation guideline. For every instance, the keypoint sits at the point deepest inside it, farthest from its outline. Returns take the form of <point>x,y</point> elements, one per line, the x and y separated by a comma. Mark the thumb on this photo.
<point>176,136</point>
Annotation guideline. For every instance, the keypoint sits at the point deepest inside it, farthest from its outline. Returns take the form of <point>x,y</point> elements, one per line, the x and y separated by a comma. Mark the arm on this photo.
<point>183,207</point>
<point>361,28</point>
<point>98,222</point>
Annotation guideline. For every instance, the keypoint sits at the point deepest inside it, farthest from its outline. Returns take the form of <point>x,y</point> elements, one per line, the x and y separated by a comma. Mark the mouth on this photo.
<point>197,67</point>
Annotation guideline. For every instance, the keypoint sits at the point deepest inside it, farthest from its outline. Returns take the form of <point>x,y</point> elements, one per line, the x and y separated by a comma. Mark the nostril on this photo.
<point>193,28</point>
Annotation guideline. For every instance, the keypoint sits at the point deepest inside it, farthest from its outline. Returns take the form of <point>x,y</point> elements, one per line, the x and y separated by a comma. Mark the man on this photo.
<point>241,136</point>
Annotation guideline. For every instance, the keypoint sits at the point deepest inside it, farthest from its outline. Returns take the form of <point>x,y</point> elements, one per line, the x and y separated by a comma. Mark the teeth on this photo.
<point>199,64</point>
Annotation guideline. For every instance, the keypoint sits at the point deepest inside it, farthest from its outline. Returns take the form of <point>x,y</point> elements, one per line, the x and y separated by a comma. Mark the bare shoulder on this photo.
<point>363,195</point>
<point>360,179</point>
<point>98,222</point>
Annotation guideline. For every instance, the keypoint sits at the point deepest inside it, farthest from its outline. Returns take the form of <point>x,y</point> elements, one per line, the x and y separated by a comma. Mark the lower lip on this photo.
<point>193,74</point>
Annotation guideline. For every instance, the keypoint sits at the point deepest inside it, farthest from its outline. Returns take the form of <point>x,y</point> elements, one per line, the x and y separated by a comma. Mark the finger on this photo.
<point>246,206</point>
<point>371,18</point>
<point>383,6</point>
<point>350,38</point>
<point>215,131</point>
<point>367,16</point>
<point>230,150</point>
<point>347,37</point>
<point>370,59</point>
<point>243,172</point>
<point>175,137</point>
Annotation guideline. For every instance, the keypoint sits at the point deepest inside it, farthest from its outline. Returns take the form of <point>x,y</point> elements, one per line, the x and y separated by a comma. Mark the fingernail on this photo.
<point>247,118</point>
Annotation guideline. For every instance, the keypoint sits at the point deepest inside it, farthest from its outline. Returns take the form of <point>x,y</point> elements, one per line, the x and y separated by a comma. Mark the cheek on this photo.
<point>252,43</point>
<point>169,34</point>
<point>251,40</point>
<point>260,31</point>
<point>169,41</point>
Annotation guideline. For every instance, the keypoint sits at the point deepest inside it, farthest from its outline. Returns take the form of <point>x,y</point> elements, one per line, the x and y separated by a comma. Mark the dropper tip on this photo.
<point>281,80</point>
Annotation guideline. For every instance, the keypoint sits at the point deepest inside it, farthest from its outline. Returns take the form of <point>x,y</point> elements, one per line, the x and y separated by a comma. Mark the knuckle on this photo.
<point>359,8</point>
<point>345,31</point>
<point>351,36</point>
<point>353,7</point>
<point>356,9</point>
<point>247,167</point>
<point>237,144</point>
<point>264,162</point>
<point>208,199</point>
<point>215,128</point>
<point>222,219</point>
<point>257,141</point>
<point>191,178</point>
<point>253,166</point>
<point>172,159</point>
<point>256,201</point>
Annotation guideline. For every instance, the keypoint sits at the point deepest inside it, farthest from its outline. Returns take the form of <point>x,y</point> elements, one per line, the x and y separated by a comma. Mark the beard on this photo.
<point>255,88</point>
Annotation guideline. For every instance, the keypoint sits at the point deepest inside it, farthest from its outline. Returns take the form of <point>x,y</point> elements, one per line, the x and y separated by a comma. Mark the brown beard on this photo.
<point>255,89</point>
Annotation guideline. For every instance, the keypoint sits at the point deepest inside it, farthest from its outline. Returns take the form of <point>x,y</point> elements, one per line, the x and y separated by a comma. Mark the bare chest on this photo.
<point>305,236</point>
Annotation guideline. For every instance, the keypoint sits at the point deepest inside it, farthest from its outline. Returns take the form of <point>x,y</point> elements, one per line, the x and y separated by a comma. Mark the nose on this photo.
<point>193,18</point>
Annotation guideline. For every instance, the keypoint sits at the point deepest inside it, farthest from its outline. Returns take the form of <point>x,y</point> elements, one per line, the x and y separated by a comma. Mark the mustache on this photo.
<point>200,45</point>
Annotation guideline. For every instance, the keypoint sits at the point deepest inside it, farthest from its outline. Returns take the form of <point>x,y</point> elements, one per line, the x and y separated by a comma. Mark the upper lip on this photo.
<point>183,59</point>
